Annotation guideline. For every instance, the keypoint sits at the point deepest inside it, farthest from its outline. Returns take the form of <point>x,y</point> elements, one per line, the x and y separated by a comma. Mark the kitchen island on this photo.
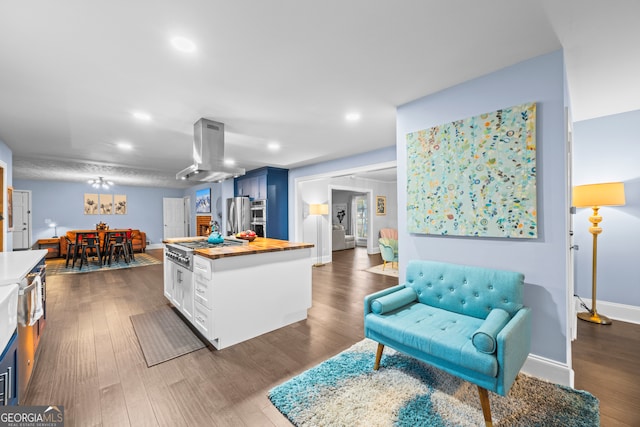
<point>239,292</point>
<point>22,319</point>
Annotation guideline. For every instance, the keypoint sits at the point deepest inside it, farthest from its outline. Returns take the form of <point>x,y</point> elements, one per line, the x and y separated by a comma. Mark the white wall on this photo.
<point>607,149</point>
<point>377,159</point>
<point>319,190</point>
<point>543,260</point>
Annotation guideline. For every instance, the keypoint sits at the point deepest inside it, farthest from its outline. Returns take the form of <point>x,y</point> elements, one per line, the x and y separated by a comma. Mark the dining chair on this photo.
<point>130,244</point>
<point>90,247</point>
<point>72,250</point>
<point>118,247</point>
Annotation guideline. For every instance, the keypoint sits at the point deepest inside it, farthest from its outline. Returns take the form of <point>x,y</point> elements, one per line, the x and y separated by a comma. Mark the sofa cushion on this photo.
<point>436,332</point>
<point>484,338</point>
<point>393,301</point>
<point>463,289</point>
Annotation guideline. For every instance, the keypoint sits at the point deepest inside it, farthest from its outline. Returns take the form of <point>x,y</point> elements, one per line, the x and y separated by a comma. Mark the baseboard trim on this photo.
<point>549,370</point>
<point>155,246</point>
<point>613,310</point>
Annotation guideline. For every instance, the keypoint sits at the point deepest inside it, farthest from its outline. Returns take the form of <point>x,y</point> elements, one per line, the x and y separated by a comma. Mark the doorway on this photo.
<point>174,214</point>
<point>361,208</point>
<point>21,220</point>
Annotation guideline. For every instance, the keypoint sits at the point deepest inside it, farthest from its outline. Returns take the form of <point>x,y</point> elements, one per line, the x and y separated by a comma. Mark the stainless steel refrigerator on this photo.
<point>238,215</point>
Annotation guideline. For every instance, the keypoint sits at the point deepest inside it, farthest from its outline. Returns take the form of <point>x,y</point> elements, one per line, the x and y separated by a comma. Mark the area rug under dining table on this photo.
<point>57,266</point>
<point>345,391</point>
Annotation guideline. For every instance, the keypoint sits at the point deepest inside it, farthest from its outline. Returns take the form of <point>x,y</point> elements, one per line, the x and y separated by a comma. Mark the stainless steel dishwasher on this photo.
<point>31,319</point>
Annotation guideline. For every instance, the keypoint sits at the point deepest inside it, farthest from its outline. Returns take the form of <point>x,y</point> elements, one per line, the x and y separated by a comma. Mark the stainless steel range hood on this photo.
<point>208,154</point>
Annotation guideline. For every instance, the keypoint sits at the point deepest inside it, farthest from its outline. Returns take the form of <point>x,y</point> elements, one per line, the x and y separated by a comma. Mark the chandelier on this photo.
<point>100,182</point>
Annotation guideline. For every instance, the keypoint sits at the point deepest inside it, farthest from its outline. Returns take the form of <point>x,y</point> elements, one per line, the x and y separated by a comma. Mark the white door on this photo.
<point>21,219</point>
<point>573,316</point>
<point>174,218</point>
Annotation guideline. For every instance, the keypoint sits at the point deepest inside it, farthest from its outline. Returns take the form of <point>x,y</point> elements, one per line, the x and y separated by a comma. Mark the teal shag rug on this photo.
<point>346,391</point>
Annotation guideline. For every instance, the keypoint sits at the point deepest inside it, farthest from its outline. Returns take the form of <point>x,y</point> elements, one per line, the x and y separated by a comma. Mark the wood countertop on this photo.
<point>259,245</point>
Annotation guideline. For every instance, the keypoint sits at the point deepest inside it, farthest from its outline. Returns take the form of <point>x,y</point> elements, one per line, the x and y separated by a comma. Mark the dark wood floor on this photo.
<point>91,363</point>
<point>606,362</point>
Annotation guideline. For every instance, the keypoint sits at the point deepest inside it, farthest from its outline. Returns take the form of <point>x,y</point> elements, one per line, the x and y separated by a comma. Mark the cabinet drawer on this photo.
<point>203,320</point>
<point>203,293</point>
<point>8,373</point>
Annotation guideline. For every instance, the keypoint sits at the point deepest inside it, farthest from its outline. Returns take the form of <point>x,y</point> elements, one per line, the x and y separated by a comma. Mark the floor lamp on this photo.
<point>319,210</point>
<point>594,196</point>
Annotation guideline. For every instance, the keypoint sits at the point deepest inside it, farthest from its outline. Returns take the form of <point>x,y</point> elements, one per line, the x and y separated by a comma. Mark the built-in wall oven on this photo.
<point>32,301</point>
<point>259,217</point>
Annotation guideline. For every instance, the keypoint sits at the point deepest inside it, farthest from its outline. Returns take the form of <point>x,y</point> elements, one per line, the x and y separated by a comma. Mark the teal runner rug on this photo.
<point>57,265</point>
<point>346,391</point>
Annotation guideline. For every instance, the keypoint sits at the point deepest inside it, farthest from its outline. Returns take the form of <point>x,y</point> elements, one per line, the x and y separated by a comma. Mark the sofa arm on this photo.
<point>514,344</point>
<point>369,298</point>
<point>143,236</point>
<point>63,246</point>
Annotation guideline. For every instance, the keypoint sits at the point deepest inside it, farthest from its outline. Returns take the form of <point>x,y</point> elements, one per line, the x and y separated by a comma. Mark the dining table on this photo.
<point>104,237</point>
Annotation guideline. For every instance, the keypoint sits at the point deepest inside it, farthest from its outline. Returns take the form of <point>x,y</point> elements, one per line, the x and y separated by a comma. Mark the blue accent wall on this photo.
<point>543,260</point>
<point>607,149</point>
<point>62,202</point>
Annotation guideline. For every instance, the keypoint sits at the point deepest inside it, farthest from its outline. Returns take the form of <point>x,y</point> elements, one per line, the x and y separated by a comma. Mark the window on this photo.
<point>362,215</point>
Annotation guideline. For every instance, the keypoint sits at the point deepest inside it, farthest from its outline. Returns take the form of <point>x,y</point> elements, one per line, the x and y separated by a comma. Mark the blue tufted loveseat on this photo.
<point>468,321</point>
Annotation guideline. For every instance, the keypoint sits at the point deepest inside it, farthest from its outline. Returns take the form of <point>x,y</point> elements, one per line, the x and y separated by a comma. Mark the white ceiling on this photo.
<point>72,72</point>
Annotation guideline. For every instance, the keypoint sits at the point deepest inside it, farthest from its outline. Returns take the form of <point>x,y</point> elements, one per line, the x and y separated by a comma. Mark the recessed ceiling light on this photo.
<point>124,145</point>
<point>141,115</point>
<point>183,44</point>
<point>229,162</point>
<point>352,117</point>
<point>273,146</point>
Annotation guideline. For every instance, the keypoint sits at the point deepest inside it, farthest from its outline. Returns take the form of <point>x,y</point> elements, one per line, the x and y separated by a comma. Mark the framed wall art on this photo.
<point>120,204</point>
<point>106,204</point>
<point>203,200</point>
<point>381,205</point>
<point>475,176</point>
<point>339,213</point>
<point>90,204</point>
<point>9,209</point>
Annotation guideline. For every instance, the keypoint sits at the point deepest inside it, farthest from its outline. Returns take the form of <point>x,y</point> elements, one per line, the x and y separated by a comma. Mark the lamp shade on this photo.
<point>318,209</point>
<point>606,194</point>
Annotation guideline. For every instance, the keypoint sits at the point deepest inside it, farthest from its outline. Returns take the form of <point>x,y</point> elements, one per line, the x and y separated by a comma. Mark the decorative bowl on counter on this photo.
<point>247,235</point>
<point>249,238</point>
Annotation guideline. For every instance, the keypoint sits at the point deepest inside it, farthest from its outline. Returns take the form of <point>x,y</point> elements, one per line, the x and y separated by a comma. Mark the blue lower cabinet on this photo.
<point>8,373</point>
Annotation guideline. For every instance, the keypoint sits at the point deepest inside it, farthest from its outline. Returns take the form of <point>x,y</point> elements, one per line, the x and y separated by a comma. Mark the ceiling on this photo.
<point>73,72</point>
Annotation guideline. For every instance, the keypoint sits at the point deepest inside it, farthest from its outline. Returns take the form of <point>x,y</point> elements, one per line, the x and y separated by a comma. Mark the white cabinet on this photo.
<point>241,297</point>
<point>178,288</point>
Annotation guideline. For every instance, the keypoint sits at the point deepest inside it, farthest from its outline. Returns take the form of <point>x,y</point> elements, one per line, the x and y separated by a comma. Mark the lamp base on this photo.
<point>594,318</point>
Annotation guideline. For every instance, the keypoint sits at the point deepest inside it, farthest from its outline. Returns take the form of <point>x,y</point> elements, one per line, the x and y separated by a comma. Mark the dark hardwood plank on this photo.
<point>90,359</point>
<point>605,361</point>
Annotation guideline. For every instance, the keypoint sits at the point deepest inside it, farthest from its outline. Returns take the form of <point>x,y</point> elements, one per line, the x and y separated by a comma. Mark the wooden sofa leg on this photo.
<point>376,365</point>
<point>486,407</point>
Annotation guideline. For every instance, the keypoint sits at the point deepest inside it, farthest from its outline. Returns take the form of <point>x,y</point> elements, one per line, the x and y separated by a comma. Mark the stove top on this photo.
<point>203,244</point>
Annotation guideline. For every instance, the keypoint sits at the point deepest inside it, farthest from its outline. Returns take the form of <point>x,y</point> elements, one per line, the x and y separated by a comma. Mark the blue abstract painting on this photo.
<point>475,177</point>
